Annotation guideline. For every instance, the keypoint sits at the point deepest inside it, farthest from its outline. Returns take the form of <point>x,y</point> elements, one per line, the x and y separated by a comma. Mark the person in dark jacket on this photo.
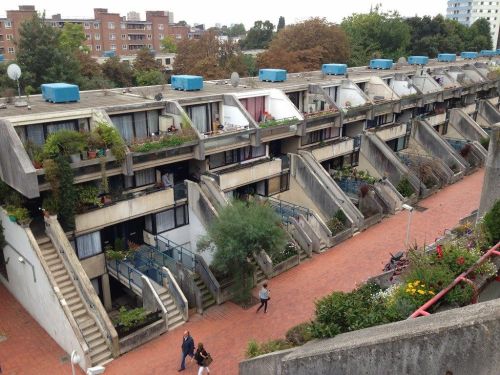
<point>187,349</point>
<point>200,356</point>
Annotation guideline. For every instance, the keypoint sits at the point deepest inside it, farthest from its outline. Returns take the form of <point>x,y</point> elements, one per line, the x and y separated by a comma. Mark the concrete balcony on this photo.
<point>436,119</point>
<point>471,108</point>
<point>245,174</point>
<point>391,132</point>
<point>493,101</point>
<point>124,210</point>
<point>334,149</point>
<point>280,129</point>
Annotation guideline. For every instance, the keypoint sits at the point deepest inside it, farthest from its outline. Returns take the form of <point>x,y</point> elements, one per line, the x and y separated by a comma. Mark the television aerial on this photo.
<point>14,73</point>
<point>235,79</point>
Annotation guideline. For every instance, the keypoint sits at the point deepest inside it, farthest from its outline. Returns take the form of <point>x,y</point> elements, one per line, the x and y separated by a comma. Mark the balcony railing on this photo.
<point>333,149</point>
<point>286,210</point>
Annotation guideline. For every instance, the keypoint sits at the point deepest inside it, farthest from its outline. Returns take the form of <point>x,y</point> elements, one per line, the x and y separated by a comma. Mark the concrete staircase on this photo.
<point>302,254</point>
<point>175,318</point>
<point>99,351</point>
<point>207,297</point>
<point>259,274</point>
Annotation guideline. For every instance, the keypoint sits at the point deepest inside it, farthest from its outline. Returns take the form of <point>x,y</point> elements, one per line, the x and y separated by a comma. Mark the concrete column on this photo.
<point>106,292</point>
<point>491,184</point>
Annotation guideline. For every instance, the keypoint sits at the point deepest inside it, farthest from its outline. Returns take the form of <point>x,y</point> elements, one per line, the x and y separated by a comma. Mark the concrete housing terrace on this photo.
<point>292,144</point>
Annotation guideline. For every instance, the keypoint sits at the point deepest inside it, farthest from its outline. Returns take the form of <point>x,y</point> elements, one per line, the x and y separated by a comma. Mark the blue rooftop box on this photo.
<point>60,92</point>
<point>498,52</point>
<point>272,75</point>
<point>335,69</point>
<point>109,54</point>
<point>487,53</point>
<point>468,55</point>
<point>187,82</point>
<point>2,58</point>
<point>447,57</point>
<point>418,60</point>
<point>380,64</point>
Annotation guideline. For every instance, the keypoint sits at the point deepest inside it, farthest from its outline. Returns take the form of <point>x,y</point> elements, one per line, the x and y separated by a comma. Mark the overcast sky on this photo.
<point>211,12</point>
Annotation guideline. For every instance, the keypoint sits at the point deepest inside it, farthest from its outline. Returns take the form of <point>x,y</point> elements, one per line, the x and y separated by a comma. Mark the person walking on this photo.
<point>187,347</point>
<point>203,359</point>
<point>264,297</point>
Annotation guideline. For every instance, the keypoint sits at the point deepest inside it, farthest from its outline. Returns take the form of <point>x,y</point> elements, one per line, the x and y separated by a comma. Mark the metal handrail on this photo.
<point>422,310</point>
<point>286,209</point>
<point>126,270</point>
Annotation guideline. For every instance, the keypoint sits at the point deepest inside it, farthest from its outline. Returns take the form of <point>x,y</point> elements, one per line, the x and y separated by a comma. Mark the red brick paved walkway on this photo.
<point>226,329</point>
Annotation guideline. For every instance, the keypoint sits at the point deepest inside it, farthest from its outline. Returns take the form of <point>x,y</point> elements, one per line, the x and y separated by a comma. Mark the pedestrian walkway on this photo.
<point>225,330</point>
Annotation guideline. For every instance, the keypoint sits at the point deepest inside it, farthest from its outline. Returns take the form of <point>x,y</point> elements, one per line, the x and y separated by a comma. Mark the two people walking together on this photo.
<point>202,357</point>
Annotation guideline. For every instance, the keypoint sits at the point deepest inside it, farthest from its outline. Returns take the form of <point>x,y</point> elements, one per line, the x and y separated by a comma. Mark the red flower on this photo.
<point>439,250</point>
<point>460,260</point>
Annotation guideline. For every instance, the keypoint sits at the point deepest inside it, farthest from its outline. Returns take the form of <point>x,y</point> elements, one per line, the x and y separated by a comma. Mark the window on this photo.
<point>178,36</point>
<point>236,156</point>
<point>148,27</point>
<point>203,116</point>
<point>112,36</point>
<point>11,50</point>
<point>320,135</point>
<point>150,36</point>
<point>167,61</point>
<point>145,177</point>
<point>159,61</point>
<point>113,47</point>
<point>150,46</point>
<point>98,47</point>
<point>122,26</point>
<point>10,37</point>
<point>124,36</point>
<point>86,25</point>
<point>255,106</point>
<point>8,24</point>
<point>138,125</point>
<point>160,26</point>
<point>167,220</point>
<point>124,47</point>
<point>97,36</point>
<point>161,36</point>
<point>111,25</point>
<point>88,245</point>
<point>88,36</point>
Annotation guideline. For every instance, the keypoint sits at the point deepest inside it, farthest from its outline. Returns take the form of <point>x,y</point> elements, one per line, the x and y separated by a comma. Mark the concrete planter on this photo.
<point>142,336</point>
<point>285,265</point>
<point>342,236</point>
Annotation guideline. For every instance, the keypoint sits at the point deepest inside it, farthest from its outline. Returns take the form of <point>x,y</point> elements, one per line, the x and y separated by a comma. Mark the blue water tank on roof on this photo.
<point>335,69</point>
<point>187,82</point>
<point>469,55</point>
<point>498,52</point>
<point>418,60</point>
<point>60,92</point>
<point>447,57</point>
<point>487,53</point>
<point>380,64</point>
<point>2,58</point>
<point>109,54</point>
<point>272,75</point>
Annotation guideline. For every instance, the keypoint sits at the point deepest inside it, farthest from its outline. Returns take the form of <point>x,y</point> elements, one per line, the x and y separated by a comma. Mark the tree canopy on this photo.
<point>168,45</point>
<point>305,46</point>
<point>259,36</point>
<point>376,35</point>
<point>281,23</point>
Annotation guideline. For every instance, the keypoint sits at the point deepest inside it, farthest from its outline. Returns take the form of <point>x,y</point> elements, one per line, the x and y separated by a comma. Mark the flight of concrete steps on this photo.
<point>207,297</point>
<point>175,317</point>
<point>99,350</point>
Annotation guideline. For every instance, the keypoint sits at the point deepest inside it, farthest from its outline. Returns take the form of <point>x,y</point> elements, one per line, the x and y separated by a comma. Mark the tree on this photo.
<point>305,46</point>
<point>41,57</point>
<point>478,36</point>
<point>145,60</point>
<point>72,37</point>
<point>91,74</point>
<point>241,229</point>
<point>209,57</point>
<point>168,45</point>
<point>237,29</point>
<point>118,72</point>
<point>149,78</point>
<point>376,35</point>
<point>281,23</point>
<point>259,36</point>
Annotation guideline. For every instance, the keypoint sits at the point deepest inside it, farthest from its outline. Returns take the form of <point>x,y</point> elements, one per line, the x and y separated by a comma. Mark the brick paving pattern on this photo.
<point>225,330</point>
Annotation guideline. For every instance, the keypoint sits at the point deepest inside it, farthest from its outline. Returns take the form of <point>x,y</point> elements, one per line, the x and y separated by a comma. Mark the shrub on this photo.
<point>460,295</point>
<point>130,318</point>
<point>300,334</point>
<point>404,187</point>
<point>64,142</point>
<point>485,142</point>
<point>289,251</point>
<point>112,139</point>
<point>255,349</point>
<point>337,223</point>
<point>492,223</point>
<point>88,195</point>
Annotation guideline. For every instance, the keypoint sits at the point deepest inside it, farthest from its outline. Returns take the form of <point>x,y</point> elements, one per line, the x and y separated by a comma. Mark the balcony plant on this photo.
<point>282,122</point>
<point>112,140</point>
<point>68,143</point>
<point>35,153</point>
<point>404,187</point>
<point>88,197</point>
<point>166,141</point>
<point>19,214</point>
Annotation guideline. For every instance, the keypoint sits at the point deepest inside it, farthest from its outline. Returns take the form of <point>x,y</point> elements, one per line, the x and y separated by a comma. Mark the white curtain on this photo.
<point>89,245</point>
<point>145,177</point>
<point>198,114</point>
<point>153,121</point>
<point>179,215</point>
<point>141,128</point>
<point>149,224</point>
<point>35,134</point>
<point>165,221</point>
<point>125,126</point>
<point>52,128</point>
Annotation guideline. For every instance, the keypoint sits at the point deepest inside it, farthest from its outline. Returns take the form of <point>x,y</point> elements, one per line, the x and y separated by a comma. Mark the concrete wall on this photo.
<point>487,114</point>
<point>245,176</point>
<point>94,266</point>
<point>124,210</point>
<point>30,285</point>
<point>491,185</point>
<point>333,150</point>
<point>465,126</point>
<point>391,132</point>
<point>463,341</point>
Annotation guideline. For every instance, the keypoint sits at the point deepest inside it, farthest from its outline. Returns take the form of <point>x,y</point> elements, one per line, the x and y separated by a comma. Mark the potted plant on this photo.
<point>64,142</point>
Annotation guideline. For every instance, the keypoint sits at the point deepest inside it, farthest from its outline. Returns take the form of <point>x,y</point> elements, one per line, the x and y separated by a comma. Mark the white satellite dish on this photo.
<point>14,73</point>
<point>235,79</point>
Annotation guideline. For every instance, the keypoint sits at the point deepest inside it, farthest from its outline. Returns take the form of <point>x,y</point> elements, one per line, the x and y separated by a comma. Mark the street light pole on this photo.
<point>410,211</point>
<point>75,359</point>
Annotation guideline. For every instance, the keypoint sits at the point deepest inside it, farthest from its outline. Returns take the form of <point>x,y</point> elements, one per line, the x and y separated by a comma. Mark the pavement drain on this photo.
<point>64,358</point>
<point>420,208</point>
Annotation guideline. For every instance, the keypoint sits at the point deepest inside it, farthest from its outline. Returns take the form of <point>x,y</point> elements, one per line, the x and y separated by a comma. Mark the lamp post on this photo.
<point>75,359</point>
<point>410,211</point>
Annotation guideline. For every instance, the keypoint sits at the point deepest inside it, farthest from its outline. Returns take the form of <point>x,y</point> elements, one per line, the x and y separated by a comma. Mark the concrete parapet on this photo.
<point>491,185</point>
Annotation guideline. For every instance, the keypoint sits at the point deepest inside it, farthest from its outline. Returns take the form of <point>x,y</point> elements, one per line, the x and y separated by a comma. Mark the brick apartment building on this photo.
<point>104,32</point>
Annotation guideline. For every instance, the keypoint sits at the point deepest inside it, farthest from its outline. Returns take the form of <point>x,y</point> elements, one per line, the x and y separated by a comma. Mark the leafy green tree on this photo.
<point>168,45</point>
<point>41,57</point>
<point>241,229</point>
<point>237,29</point>
<point>5,82</point>
<point>259,36</point>
<point>281,23</point>
<point>478,36</point>
<point>149,78</point>
<point>251,65</point>
<point>375,35</point>
<point>118,72</point>
<point>305,46</point>
<point>72,37</point>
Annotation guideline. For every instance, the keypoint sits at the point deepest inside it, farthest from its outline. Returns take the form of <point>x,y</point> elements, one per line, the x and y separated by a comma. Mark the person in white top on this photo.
<point>264,297</point>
